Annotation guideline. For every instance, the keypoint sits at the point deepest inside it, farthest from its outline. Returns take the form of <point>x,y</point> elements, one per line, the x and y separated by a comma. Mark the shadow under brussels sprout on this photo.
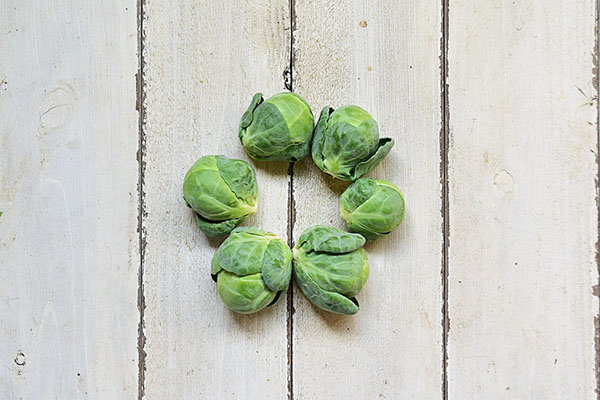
<point>306,167</point>
<point>250,322</point>
<point>337,186</point>
<point>213,241</point>
<point>271,168</point>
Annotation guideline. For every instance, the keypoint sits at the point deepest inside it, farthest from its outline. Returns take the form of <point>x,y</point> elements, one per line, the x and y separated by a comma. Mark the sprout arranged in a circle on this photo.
<point>346,143</point>
<point>252,269</point>
<point>372,208</point>
<point>331,267</point>
<point>222,192</point>
<point>277,129</point>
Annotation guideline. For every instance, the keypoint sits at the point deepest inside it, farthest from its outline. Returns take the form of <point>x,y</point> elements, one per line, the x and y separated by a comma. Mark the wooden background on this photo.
<point>489,290</point>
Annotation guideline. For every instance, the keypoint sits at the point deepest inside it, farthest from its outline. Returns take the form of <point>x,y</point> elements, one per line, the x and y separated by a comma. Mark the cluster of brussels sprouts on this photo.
<point>253,268</point>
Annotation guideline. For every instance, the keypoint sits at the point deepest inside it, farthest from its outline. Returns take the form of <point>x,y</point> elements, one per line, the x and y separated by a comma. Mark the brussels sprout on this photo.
<point>372,208</point>
<point>252,269</point>
<point>222,192</point>
<point>277,129</point>
<point>331,267</point>
<point>346,143</point>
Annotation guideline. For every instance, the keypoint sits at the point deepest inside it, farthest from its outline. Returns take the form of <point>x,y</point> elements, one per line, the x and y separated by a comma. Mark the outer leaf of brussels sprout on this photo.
<point>215,266</point>
<point>329,239</point>
<point>344,147</point>
<point>343,139</point>
<point>356,194</point>
<point>340,273</point>
<point>378,215</point>
<point>248,114</point>
<point>359,142</point>
<point>267,132</point>
<point>328,301</point>
<point>242,253</point>
<point>277,265</point>
<point>250,230</point>
<point>244,294</point>
<point>331,267</point>
<point>279,296</point>
<point>297,115</point>
<point>369,235</point>
<point>217,228</point>
<point>240,177</point>
<point>319,136</point>
<point>385,145</point>
<point>355,116</point>
<point>239,267</point>
<point>209,195</point>
<point>281,129</point>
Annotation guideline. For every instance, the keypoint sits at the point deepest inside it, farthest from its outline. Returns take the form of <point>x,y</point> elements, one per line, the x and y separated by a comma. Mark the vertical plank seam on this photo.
<point>444,144</point>
<point>289,84</point>
<point>596,291</point>
<point>141,199</point>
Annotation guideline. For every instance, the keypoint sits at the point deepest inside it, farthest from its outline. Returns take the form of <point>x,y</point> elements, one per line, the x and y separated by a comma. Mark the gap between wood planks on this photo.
<point>140,107</point>
<point>596,288</point>
<point>444,144</point>
<point>288,78</point>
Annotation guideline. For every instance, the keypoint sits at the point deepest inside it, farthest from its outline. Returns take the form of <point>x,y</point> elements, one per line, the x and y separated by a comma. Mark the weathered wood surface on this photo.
<point>68,179</point>
<point>523,216</point>
<point>385,57</point>
<point>203,62</point>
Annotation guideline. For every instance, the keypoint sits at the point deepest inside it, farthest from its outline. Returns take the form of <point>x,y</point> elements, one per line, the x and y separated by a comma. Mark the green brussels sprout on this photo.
<point>222,192</point>
<point>331,267</point>
<point>346,143</point>
<point>277,129</point>
<point>372,208</point>
<point>252,269</point>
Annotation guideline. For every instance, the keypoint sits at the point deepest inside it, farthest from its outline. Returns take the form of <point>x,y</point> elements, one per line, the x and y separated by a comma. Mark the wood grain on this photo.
<point>383,56</point>
<point>68,178</point>
<point>204,61</point>
<point>523,217</point>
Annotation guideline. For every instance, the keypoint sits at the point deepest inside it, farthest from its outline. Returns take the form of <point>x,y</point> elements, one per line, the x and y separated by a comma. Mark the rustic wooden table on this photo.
<point>488,291</point>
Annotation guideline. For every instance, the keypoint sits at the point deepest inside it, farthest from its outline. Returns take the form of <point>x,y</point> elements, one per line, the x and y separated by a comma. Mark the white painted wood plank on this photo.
<point>383,56</point>
<point>523,217</point>
<point>204,61</point>
<point>68,176</point>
